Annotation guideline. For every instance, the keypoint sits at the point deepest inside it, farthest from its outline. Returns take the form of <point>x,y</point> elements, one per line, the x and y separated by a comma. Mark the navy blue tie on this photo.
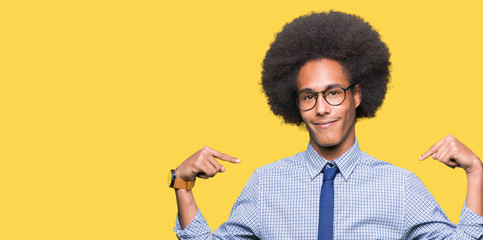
<point>326,205</point>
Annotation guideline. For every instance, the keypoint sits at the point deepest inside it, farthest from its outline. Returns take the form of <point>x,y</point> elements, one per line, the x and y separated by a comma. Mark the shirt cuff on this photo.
<point>471,223</point>
<point>197,228</point>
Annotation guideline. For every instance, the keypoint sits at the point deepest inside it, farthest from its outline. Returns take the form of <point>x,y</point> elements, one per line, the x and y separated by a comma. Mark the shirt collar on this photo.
<point>346,162</point>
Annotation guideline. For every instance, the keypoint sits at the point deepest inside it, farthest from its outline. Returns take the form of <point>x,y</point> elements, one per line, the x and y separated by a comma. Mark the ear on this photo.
<point>357,95</point>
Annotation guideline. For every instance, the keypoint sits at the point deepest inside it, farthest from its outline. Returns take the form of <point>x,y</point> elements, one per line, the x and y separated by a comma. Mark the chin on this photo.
<point>326,140</point>
<point>327,143</point>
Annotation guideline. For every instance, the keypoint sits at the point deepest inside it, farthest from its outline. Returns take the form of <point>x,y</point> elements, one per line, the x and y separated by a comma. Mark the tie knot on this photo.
<point>330,171</point>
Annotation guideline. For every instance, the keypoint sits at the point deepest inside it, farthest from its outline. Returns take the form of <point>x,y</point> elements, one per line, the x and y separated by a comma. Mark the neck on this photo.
<point>331,153</point>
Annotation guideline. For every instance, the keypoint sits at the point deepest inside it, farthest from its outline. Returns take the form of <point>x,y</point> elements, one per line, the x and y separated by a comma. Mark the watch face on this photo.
<point>170,177</point>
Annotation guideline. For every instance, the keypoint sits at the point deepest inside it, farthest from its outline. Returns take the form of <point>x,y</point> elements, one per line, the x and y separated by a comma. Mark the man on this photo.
<point>327,70</point>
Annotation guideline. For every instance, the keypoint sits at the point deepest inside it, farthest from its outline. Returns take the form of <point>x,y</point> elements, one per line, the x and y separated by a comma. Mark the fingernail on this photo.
<point>237,160</point>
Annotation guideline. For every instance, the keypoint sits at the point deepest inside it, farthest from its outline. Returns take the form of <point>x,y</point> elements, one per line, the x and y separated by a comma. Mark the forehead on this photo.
<point>318,74</point>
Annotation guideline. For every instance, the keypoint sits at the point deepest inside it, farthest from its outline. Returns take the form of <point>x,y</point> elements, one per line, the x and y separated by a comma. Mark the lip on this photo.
<point>324,124</point>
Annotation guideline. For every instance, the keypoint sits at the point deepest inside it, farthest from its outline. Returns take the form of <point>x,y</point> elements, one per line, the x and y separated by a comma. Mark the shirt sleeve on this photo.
<point>424,218</point>
<point>197,229</point>
<point>471,223</point>
<point>243,222</point>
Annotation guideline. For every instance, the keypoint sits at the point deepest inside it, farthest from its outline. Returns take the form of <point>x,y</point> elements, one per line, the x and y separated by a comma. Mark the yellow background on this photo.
<point>99,99</point>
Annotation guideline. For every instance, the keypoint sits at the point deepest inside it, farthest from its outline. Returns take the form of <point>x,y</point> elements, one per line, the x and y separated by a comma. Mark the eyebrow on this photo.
<point>311,90</point>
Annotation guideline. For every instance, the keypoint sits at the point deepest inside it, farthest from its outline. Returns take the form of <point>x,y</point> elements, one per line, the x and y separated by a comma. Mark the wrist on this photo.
<point>475,171</point>
<point>178,183</point>
<point>176,172</point>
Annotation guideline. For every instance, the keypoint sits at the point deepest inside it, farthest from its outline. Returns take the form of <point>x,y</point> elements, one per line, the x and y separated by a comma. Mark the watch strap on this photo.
<point>178,183</point>
<point>182,184</point>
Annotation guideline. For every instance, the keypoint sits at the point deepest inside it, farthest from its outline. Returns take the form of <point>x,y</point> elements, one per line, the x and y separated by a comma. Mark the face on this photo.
<point>331,128</point>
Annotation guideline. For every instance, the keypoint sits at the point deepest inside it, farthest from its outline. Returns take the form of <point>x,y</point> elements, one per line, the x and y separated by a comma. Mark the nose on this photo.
<point>322,107</point>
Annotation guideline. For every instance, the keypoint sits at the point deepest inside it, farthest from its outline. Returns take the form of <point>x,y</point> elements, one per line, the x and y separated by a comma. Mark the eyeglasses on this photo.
<point>334,96</point>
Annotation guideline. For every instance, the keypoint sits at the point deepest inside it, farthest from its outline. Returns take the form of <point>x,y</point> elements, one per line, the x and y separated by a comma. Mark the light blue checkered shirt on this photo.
<point>373,200</point>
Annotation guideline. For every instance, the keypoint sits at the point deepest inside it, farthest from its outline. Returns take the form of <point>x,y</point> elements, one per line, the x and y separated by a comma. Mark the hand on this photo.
<point>453,153</point>
<point>203,164</point>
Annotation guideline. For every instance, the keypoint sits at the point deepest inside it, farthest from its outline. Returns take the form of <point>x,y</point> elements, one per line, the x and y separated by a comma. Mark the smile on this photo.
<point>324,124</point>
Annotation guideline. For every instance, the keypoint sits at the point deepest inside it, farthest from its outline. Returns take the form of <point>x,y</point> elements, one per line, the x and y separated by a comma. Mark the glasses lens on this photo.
<point>334,96</point>
<point>307,100</point>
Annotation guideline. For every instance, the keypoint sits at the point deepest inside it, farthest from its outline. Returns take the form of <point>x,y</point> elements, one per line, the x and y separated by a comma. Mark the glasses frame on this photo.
<point>316,94</point>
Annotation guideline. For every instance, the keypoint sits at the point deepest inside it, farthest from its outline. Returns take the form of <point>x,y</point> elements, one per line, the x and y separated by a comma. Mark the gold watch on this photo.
<point>178,183</point>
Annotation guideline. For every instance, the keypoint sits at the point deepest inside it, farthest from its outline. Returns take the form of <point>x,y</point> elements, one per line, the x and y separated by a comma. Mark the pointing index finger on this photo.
<point>432,150</point>
<point>222,156</point>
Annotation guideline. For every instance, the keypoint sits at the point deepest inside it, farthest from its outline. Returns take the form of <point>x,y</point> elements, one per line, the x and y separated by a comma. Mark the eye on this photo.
<point>334,92</point>
<point>308,97</point>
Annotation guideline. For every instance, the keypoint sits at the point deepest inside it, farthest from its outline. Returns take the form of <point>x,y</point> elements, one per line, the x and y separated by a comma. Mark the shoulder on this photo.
<point>369,162</point>
<point>278,170</point>
<point>374,172</point>
<point>285,164</point>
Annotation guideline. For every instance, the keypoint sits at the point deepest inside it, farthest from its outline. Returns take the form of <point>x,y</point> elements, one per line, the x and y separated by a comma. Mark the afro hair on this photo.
<point>338,36</point>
